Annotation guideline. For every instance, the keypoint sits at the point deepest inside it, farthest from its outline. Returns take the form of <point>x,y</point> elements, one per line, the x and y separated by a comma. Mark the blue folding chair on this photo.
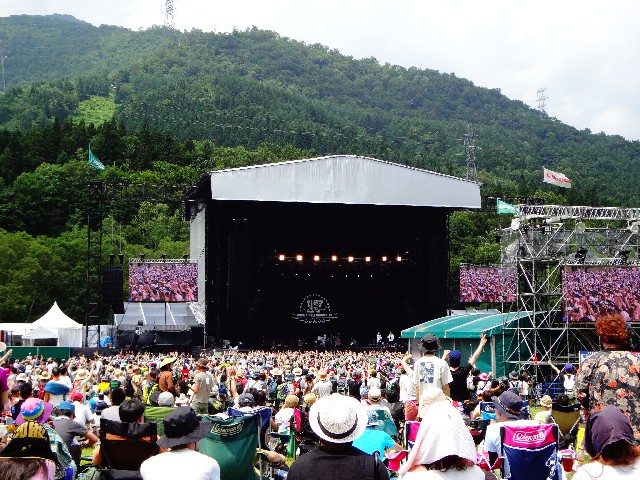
<point>531,452</point>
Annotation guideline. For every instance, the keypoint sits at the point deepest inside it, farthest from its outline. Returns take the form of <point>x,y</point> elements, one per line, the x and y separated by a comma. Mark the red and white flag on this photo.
<point>556,178</point>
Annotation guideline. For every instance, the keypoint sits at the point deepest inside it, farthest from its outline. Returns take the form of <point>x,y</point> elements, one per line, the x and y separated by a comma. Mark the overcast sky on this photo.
<point>583,52</point>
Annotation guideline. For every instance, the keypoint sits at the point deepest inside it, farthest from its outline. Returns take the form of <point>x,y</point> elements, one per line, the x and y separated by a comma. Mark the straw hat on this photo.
<point>82,374</point>
<point>323,375</point>
<point>546,401</point>
<point>167,361</point>
<point>338,418</point>
<point>276,372</point>
<point>297,371</point>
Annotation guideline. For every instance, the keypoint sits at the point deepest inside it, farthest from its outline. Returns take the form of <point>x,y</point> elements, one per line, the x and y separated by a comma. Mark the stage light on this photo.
<point>635,228</point>
<point>334,258</point>
<point>580,227</point>
<point>299,257</point>
<point>121,258</point>
<point>164,257</point>
<point>367,259</point>
<point>281,257</point>
<point>350,259</point>
<point>112,258</point>
<point>385,258</point>
<point>142,257</point>
<point>316,258</point>
<point>515,224</point>
<point>398,258</point>
<point>185,257</point>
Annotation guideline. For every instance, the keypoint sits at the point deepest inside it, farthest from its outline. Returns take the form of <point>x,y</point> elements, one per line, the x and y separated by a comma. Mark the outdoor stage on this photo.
<point>342,247</point>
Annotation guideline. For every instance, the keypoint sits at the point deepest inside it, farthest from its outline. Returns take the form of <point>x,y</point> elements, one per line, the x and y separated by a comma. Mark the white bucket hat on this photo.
<point>338,418</point>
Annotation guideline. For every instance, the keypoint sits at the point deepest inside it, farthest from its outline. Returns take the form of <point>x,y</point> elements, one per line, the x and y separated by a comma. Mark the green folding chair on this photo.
<point>232,442</point>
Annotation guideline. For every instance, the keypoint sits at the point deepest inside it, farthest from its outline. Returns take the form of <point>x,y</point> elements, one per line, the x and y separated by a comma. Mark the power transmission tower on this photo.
<point>169,21</point>
<point>2,58</point>
<point>542,99</point>
<point>469,139</point>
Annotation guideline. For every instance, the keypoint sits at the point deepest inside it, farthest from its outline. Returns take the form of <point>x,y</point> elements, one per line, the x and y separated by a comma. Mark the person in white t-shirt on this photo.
<point>431,371</point>
<point>183,431</point>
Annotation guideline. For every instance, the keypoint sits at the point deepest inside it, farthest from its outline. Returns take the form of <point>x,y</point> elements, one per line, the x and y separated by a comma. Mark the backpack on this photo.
<point>283,391</point>
<point>273,388</point>
<point>222,390</point>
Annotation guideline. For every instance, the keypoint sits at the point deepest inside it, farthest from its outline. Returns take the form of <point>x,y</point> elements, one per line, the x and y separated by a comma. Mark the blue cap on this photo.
<point>455,355</point>
<point>67,406</point>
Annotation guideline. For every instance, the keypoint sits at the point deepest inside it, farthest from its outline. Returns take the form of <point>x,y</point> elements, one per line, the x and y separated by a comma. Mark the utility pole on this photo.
<point>469,139</point>
<point>169,21</point>
<point>542,99</point>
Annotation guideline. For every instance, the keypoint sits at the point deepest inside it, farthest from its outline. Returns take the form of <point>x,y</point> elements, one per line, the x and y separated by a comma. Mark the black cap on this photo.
<point>181,427</point>
<point>430,343</point>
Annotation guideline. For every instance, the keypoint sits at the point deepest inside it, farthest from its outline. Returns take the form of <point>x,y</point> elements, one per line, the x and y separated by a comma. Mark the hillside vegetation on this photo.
<point>165,106</point>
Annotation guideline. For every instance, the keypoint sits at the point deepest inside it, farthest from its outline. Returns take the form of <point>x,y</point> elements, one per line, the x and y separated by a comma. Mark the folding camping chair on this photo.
<point>156,415</point>
<point>303,438</point>
<point>388,425</point>
<point>531,452</point>
<point>232,442</point>
<point>265,422</point>
<point>410,433</point>
<point>124,446</point>
<point>567,417</point>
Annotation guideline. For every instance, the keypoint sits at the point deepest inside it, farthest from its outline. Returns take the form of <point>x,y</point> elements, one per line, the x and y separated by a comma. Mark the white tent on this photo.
<point>69,331</point>
<point>35,336</point>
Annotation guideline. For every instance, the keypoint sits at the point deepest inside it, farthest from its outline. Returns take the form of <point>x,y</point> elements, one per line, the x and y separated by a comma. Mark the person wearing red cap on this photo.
<point>83,414</point>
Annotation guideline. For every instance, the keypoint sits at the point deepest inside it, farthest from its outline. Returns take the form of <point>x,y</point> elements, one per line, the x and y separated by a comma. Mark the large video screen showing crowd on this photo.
<point>163,282</point>
<point>488,284</point>
<point>589,292</point>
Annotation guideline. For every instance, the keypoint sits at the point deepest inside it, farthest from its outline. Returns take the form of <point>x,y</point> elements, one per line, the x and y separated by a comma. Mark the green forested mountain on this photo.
<point>164,106</point>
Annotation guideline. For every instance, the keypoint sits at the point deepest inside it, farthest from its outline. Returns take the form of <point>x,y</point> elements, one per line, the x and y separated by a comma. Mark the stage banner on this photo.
<point>556,178</point>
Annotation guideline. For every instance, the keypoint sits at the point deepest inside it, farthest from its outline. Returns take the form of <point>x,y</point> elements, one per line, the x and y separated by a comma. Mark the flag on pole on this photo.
<point>556,178</point>
<point>94,161</point>
<point>504,207</point>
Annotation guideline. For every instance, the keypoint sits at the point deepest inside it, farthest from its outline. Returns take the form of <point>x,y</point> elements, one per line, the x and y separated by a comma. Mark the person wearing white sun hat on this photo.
<point>444,448</point>
<point>338,420</point>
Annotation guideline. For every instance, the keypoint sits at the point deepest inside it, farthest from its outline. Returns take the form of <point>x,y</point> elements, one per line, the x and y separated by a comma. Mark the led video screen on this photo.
<point>163,282</point>
<point>487,284</point>
<point>590,292</point>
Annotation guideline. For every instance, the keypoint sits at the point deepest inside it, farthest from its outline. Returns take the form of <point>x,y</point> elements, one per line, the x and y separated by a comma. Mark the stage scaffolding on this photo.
<point>541,241</point>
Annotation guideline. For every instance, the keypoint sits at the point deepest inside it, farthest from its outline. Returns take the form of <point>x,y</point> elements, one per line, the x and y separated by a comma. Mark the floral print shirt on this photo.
<point>612,377</point>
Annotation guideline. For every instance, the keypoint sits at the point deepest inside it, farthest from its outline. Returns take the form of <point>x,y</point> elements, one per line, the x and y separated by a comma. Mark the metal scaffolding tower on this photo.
<point>542,242</point>
<point>105,198</point>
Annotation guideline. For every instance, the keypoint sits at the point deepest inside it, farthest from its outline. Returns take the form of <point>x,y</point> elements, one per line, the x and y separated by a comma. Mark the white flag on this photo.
<point>556,178</point>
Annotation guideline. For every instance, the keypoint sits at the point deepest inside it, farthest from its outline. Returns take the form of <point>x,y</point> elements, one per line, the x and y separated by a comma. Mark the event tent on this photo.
<point>69,331</point>
<point>39,336</point>
<point>462,332</point>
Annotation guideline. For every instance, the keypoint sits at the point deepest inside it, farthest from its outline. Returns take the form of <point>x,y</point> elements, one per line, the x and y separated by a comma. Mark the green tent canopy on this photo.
<point>462,331</point>
<point>464,326</point>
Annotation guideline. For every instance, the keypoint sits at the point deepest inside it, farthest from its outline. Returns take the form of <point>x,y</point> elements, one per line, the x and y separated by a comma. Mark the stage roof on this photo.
<point>161,316</point>
<point>344,179</point>
<point>464,326</point>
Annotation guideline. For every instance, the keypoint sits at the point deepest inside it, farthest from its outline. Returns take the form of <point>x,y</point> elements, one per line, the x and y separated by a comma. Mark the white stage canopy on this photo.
<point>346,179</point>
<point>39,333</point>
<point>69,331</point>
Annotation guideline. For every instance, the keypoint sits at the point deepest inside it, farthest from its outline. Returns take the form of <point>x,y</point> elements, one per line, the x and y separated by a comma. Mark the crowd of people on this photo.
<point>591,292</point>
<point>354,404</point>
<point>163,282</point>
<point>488,284</point>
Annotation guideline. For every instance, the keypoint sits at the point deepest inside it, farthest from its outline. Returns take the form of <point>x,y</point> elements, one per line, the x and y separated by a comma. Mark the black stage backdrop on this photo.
<point>255,298</point>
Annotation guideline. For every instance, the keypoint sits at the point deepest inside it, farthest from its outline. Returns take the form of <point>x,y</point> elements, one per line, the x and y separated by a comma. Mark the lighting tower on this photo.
<point>542,98</point>
<point>470,155</point>
<point>169,21</point>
